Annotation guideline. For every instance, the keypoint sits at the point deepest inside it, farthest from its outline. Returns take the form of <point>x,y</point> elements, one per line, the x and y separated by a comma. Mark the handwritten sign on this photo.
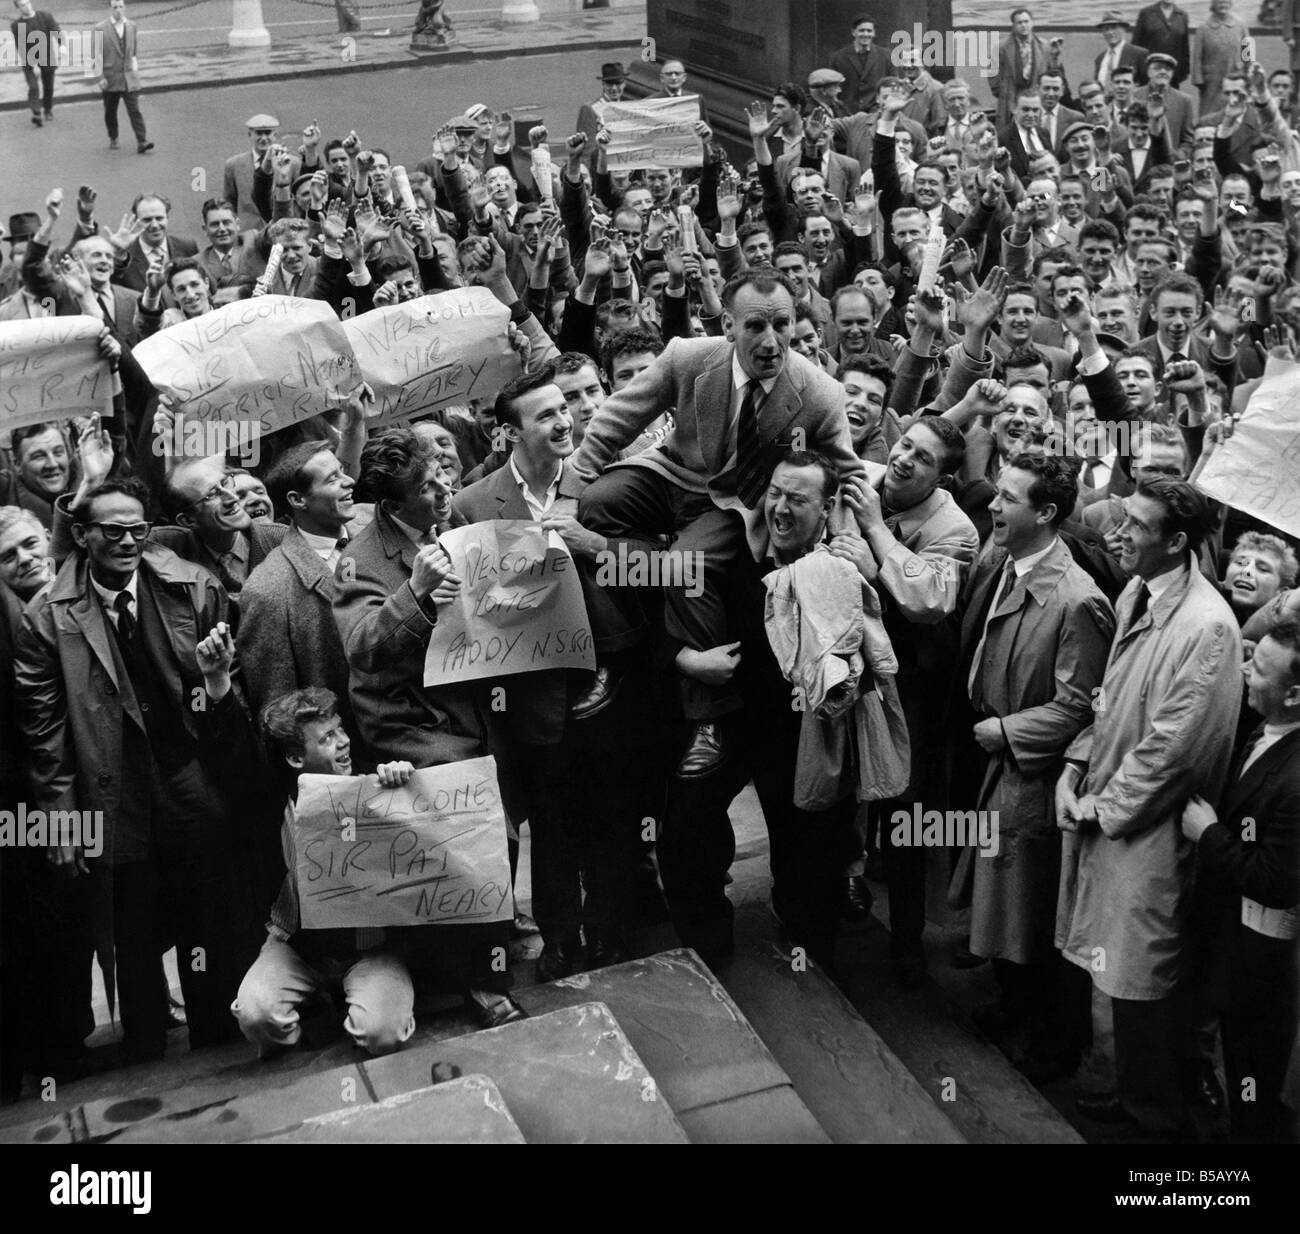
<point>652,132</point>
<point>1257,469</point>
<point>520,607</point>
<point>267,362</point>
<point>51,369</point>
<point>434,351</point>
<point>432,852</point>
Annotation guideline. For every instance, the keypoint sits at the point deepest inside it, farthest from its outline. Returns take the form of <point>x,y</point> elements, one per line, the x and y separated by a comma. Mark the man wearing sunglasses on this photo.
<point>106,672</point>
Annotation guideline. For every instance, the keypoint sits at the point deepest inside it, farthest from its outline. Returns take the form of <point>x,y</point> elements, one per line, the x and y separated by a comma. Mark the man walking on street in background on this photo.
<point>37,40</point>
<point>121,79</point>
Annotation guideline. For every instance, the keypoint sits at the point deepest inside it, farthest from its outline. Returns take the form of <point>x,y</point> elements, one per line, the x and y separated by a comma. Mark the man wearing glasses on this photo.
<point>106,670</point>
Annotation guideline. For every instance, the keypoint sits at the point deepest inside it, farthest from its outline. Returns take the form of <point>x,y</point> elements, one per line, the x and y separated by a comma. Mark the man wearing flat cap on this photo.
<point>237,185</point>
<point>613,81</point>
<point>825,87</point>
<point>1179,108</point>
<point>1116,29</point>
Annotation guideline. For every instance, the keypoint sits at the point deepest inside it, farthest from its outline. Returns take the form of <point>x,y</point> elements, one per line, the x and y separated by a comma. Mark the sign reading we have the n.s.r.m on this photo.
<point>432,852</point>
<point>434,351</point>
<point>51,369</point>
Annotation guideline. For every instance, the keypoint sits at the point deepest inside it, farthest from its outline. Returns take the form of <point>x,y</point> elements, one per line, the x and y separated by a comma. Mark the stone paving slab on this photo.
<point>469,1110</point>
<point>569,1077</point>
<point>687,1030</point>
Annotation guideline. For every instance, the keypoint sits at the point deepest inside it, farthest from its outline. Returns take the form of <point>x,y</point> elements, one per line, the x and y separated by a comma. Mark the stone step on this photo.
<point>569,1076</point>
<point>855,1085</point>
<point>970,1080</point>
<point>468,1110</point>
<point>717,1075</point>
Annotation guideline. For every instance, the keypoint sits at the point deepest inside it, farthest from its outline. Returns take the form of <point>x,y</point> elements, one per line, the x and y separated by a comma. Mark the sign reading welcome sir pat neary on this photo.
<point>432,852</point>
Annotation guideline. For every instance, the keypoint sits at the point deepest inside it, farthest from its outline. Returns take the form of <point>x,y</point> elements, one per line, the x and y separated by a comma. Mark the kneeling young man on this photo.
<point>306,736</point>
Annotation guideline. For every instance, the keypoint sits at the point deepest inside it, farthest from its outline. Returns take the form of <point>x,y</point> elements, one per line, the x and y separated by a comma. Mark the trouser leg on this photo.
<point>381,1002</point>
<point>266,1005</point>
<point>137,120</point>
<point>1149,1059</point>
<point>111,100</point>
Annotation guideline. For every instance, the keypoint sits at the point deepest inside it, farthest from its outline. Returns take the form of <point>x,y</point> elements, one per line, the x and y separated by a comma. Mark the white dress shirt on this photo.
<point>326,547</point>
<point>537,507</point>
<point>109,598</point>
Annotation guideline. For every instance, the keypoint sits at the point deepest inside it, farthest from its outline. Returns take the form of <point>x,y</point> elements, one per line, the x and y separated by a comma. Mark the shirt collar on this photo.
<point>740,378</point>
<point>523,484</point>
<point>323,546</point>
<point>109,598</point>
<point>1158,586</point>
<point>414,534</point>
<point>1024,564</point>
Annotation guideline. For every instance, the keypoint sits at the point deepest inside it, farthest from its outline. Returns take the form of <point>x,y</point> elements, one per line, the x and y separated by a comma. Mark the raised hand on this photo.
<point>575,146</point>
<point>54,204</point>
<point>385,295</point>
<point>1222,318</point>
<point>432,566</point>
<point>353,249</point>
<point>598,262</point>
<point>1185,377</point>
<point>759,123</point>
<point>95,453</point>
<point>319,188</point>
<point>927,308</point>
<point>479,197</point>
<point>503,129</point>
<point>1076,316</point>
<point>311,135</point>
<point>729,204</point>
<point>74,276</point>
<point>282,167</point>
<point>352,143</point>
<point>86,203</point>
<point>216,654</point>
<point>335,222</point>
<point>445,142</point>
<point>958,260</point>
<point>156,275</point>
<point>537,136</point>
<point>979,309</point>
<point>130,230</point>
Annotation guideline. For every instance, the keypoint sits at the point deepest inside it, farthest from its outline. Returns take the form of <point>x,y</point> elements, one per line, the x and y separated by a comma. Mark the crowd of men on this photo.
<point>913,394</point>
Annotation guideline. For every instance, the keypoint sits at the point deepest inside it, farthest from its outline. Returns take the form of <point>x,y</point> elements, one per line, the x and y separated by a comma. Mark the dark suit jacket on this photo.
<point>1157,155</point>
<point>694,376</point>
<point>536,710</point>
<point>1180,114</point>
<point>237,188</point>
<point>1131,55</point>
<point>1265,869</point>
<point>133,264</point>
<point>1009,136</point>
<point>385,633</point>
<point>862,75</point>
<point>40,278</point>
<point>288,639</point>
<point>1065,116</point>
<point>841,181</point>
<point>1155,32</point>
<point>1010,81</point>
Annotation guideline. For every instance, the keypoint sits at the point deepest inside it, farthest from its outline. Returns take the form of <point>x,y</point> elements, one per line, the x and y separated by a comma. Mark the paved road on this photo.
<point>195,132</point>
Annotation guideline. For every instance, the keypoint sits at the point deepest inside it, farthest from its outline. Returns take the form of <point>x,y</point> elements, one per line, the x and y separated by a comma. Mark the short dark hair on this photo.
<point>793,93</point>
<point>633,340</point>
<point>1055,481</point>
<point>288,473</point>
<point>285,719</point>
<point>1060,253</point>
<point>951,439</point>
<point>128,486</point>
<point>811,458</point>
<point>575,362</point>
<point>1026,356</point>
<point>386,267</point>
<point>1183,509</point>
<point>217,203</point>
<point>789,248</point>
<point>1070,271</point>
<point>1177,281</point>
<point>1099,229</point>
<point>764,279</point>
<point>1285,630</point>
<point>753,229</point>
<point>607,310</point>
<point>391,462</point>
<point>870,366</point>
<point>181,265</point>
<point>504,408</point>
<point>932,165</point>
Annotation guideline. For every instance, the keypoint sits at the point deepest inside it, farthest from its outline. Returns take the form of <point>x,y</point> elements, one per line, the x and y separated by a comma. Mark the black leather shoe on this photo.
<point>598,695</point>
<point>704,755</point>
<point>144,147</point>
<point>112,143</point>
<point>1104,1108</point>
<point>492,1010</point>
<point>556,961</point>
<point>36,120</point>
<point>855,898</point>
<point>49,117</point>
<point>605,949</point>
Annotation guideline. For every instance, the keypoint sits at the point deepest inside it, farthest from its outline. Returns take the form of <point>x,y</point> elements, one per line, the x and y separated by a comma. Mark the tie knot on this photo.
<point>122,602</point>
